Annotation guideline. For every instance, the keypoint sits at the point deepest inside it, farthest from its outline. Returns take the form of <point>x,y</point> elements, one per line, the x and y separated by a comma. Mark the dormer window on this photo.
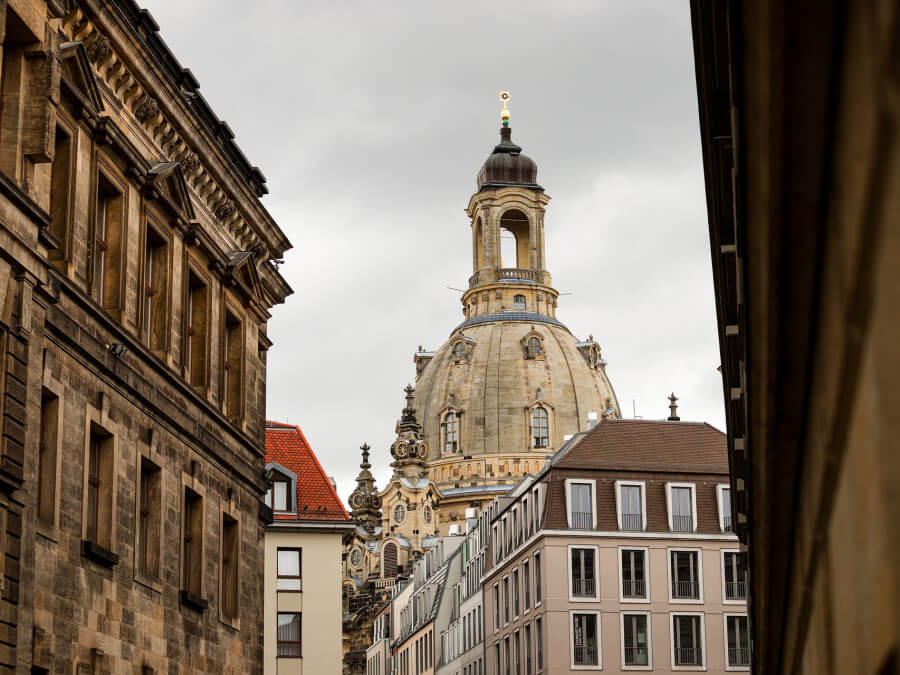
<point>519,302</point>
<point>281,495</point>
<point>450,432</point>
<point>278,500</point>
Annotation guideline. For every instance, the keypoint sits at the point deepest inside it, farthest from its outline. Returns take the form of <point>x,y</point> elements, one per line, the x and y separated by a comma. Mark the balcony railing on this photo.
<point>688,656</point>
<point>485,276</point>
<point>726,524</point>
<point>682,524</point>
<point>738,656</point>
<point>735,590</point>
<point>633,588</point>
<point>582,520</point>
<point>686,590</point>
<point>585,656</point>
<point>385,583</point>
<point>583,587</point>
<point>636,656</point>
<point>632,522</point>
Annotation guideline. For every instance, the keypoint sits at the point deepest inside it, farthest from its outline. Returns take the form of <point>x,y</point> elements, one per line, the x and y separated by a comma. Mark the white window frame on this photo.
<point>728,666</point>
<point>719,489</point>
<point>649,616</point>
<point>722,552</point>
<point>680,601</point>
<point>514,574</point>
<point>704,650</point>
<point>632,483</point>
<point>646,599</point>
<point>535,570</point>
<point>536,505</point>
<point>581,481</point>
<point>497,608</point>
<point>505,617</point>
<point>572,666</point>
<point>596,549</point>
<point>693,489</point>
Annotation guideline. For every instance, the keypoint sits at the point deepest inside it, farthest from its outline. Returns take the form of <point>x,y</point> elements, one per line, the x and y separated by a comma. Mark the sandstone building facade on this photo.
<point>135,287</point>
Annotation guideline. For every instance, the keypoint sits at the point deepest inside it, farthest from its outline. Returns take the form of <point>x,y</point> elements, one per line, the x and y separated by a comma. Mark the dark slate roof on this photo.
<point>527,317</point>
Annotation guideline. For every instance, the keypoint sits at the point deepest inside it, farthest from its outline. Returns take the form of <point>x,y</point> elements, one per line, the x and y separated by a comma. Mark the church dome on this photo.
<point>501,393</point>
<point>508,166</point>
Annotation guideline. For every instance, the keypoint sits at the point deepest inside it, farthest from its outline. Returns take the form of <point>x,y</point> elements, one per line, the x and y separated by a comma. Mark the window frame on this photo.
<point>545,427</point>
<point>649,617</point>
<point>298,576</point>
<point>189,349</point>
<point>286,475</point>
<point>619,484</point>
<point>238,326</point>
<point>584,598</point>
<point>685,601</point>
<point>599,638</point>
<point>593,490</point>
<point>670,514</point>
<point>229,513</point>
<point>725,616</point>
<point>99,420</point>
<point>720,488</point>
<point>622,598</point>
<point>457,417</point>
<point>725,599</point>
<point>279,642</point>
<point>153,228</point>
<point>703,650</point>
<point>51,389</point>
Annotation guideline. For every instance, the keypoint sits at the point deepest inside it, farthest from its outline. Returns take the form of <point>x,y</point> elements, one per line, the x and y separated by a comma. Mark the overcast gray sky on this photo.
<point>370,121</point>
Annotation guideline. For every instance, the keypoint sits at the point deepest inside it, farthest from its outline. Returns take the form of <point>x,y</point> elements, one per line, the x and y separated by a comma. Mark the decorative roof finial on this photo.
<point>365,455</point>
<point>504,114</point>
<point>673,408</point>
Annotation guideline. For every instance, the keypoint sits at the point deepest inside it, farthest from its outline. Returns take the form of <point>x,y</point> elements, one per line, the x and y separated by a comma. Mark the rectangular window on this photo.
<point>60,189</point>
<point>537,513</point>
<point>192,572</point>
<point>156,288</point>
<point>277,495</point>
<point>539,643</point>
<point>289,644</point>
<point>582,569</point>
<point>685,575</point>
<point>505,600</point>
<point>738,641</point>
<point>725,509</point>
<point>196,332</point>
<point>681,509</point>
<point>107,247</point>
<point>636,640</point>
<point>631,504</point>
<point>585,639</point>
<point>634,573</point>
<point>233,377</point>
<point>289,576</point>
<point>515,585</point>
<point>687,640</point>
<point>47,456</point>
<point>496,607</point>
<point>581,507</point>
<point>230,565</point>
<point>526,585</point>
<point>149,515</point>
<point>506,655</point>
<point>735,576</point>
<point>528,670</point>
<point>497,658</point>
<point>537,578</point>
<point>98,517</point>
<point>517,654</point>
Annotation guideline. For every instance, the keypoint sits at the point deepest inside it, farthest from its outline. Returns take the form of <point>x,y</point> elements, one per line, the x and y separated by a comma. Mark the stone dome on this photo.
<point>508,166</point>
<point>486,375</point>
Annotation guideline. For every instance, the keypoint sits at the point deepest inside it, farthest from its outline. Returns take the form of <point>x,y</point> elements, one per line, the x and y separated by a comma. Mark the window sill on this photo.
<point>232,622</point>
<point>195,602</point>
<point>98,554</point>
<point>46,529</point>
<point>151,583</point>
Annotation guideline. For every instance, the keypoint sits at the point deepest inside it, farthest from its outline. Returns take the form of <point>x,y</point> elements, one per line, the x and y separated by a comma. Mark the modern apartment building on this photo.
<point>619,556</point>
<point>302,559</point>
<point>378,655</point>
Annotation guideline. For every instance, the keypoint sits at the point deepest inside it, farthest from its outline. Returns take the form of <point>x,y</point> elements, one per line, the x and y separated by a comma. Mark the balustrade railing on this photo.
<point>686,590</point>
<point>682,524</point>
<point>582,520</point>
<point>583,587</point>
<point>636,656</point>
<point>735,590</point>
<point>738,656</point>
<point>586,656</point>
<point>632,522</point>
<point>633,588</point>
<point>688,656</point>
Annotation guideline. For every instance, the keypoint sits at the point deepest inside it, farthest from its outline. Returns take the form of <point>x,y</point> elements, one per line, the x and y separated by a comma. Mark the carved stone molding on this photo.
<point>146,109</point>
<point>98,49</point>
<point>224,210</point>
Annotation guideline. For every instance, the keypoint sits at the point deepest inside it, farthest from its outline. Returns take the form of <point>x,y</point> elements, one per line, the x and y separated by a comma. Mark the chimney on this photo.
<point>673,408</point>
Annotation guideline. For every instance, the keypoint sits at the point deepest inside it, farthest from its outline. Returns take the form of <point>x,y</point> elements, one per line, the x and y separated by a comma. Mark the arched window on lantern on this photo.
<point>540,427</point>
<point>450,432</point>
<point>519,301</point>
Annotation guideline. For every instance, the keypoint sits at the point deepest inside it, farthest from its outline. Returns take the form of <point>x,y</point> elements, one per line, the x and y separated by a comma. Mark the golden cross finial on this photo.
<point>505,98</point>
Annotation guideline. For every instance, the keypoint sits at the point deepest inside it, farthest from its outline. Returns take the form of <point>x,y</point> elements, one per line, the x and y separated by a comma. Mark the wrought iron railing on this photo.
<point>636,656</point>
<point>582,520</point>
<point>632,522</point>
<point>682,524</point>
<point>633,588</point>
<point>686,590</point>
<point>586,656</point>
<point>738,656</point>
<point>735,590</point>
<point>583,587</point>
<point>688,656</point>
<point>726,524</point>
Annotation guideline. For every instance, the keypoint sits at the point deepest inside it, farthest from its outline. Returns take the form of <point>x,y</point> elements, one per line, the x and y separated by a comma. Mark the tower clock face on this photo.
<point>356,501</point>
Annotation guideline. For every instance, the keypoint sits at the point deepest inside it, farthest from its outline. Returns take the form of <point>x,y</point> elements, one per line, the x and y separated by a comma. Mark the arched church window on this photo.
<point>533,347</point>
<point>389,561</point>
<point>519,302</point>
<point>399,514</point>
<point>356,557</point>
<point>426,514</point>
<point>459,350</point>
<point>540,427</point>
<point>450,429</point>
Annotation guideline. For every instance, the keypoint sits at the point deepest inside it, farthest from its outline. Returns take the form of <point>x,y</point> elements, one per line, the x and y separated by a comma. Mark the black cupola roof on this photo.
<point>508,166</point>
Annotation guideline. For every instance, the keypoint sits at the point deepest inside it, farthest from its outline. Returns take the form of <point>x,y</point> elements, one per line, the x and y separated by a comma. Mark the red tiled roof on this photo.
<point>316,498</point>
<point>650,445</point>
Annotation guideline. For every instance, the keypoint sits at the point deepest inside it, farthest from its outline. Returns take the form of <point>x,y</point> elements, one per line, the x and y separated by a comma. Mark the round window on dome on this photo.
<point>399,514</point>
<point>356,557</point>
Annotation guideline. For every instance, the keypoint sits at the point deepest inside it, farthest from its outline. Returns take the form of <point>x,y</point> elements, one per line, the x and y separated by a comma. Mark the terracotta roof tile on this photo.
<point>316,497</point>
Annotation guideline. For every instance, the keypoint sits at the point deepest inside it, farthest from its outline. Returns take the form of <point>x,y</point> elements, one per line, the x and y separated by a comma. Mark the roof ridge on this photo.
<point>322,472</point>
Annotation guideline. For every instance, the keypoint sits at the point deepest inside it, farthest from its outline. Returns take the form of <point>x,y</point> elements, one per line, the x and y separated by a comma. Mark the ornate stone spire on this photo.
<point>409,450</point>
<point>365,503</point>
<point>673,408</point>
